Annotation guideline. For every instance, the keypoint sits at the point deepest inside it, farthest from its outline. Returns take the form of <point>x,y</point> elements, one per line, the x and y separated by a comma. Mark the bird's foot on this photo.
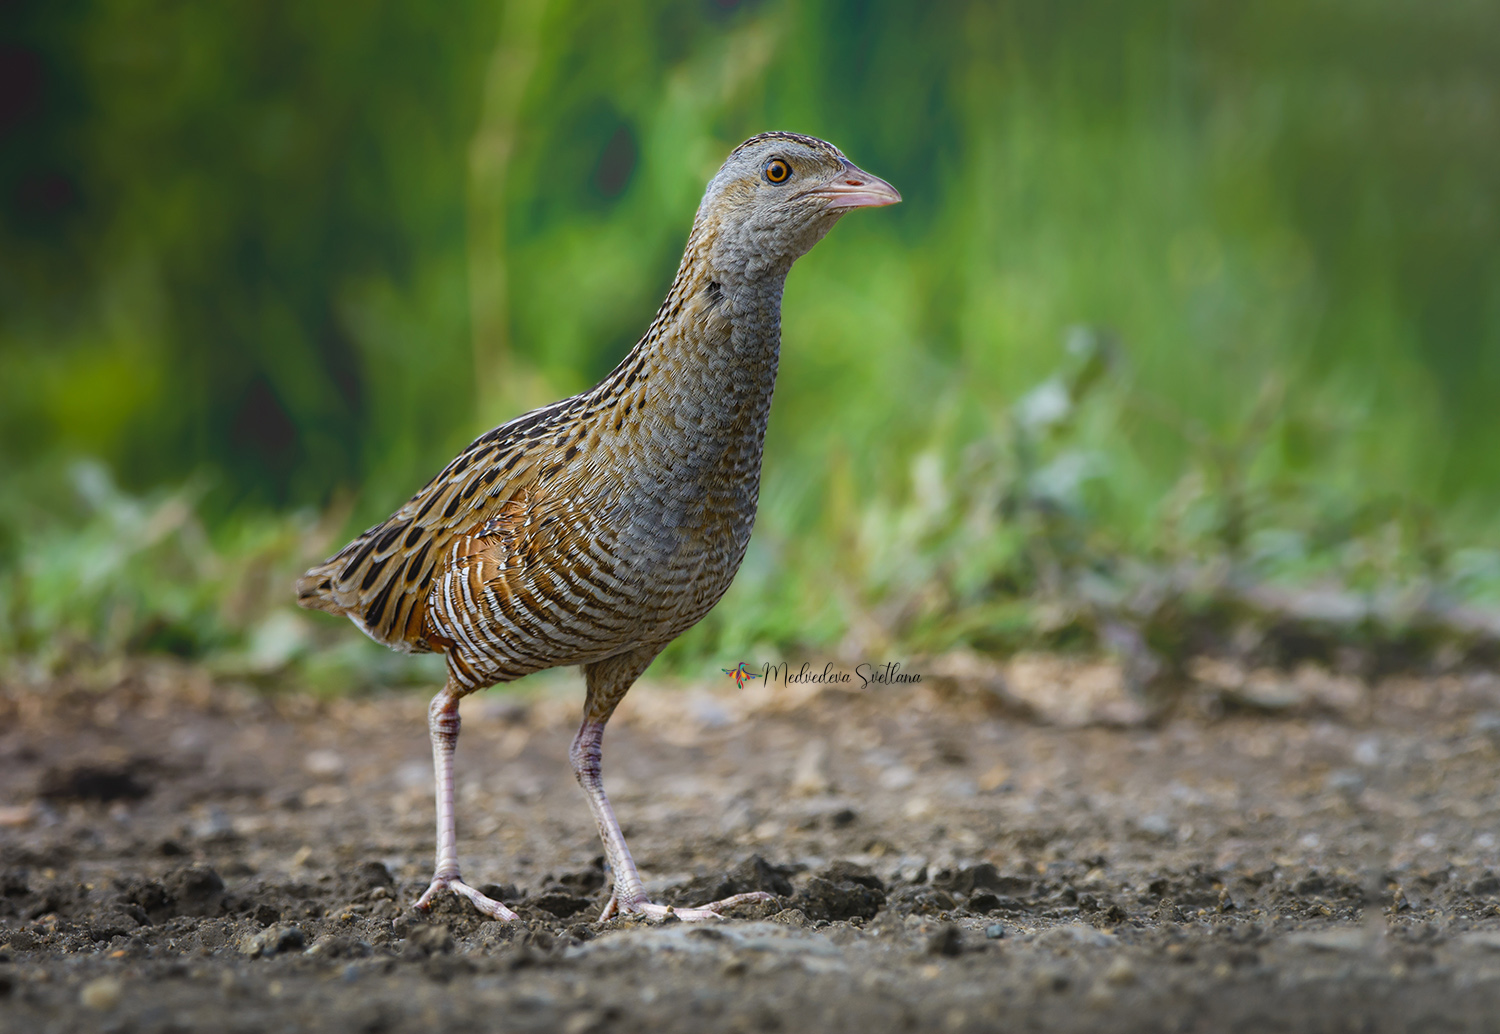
<point>689,915</point>
<point>488,905</point>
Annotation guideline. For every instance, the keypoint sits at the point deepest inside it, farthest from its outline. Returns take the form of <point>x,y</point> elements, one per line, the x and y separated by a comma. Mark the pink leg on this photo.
<point>443,724</point>
<point>629,897</point>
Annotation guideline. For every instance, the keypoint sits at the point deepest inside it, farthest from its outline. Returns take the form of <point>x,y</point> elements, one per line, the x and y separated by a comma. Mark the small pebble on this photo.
<point>273,940</point>
<point>214,823</point>
<point>1486,723</point>
<point>1120,972</point>
<point>101,995</point>
<point>17,815</point>
<point>1155,824</point>
<point>325,763</point>
<point>290,938</point>
<point>1072,935</point>
<point>994,931</point>
<point>436,939</point>
<point>1050,978</point>
<point>947,940</point>
<point>583,1022</point>
<point>1355,939</point>
<point>897,777</point>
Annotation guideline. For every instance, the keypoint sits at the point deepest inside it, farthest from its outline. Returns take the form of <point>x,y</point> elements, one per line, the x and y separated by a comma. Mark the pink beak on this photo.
<point>855,188</point>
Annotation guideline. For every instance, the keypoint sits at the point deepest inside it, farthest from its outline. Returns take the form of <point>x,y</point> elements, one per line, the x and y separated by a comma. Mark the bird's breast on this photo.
<point>683,484</point>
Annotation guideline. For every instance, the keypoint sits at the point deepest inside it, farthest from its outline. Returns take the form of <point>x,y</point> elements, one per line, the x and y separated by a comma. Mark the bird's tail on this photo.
<point>368,582</point>
<point>315,589</point>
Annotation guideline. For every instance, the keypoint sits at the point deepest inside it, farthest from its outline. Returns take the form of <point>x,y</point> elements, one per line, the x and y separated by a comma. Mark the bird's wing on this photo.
<point>525,589</point>
<point>383,579</point>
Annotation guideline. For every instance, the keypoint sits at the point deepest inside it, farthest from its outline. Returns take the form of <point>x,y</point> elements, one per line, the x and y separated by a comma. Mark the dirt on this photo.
<point>178,854</point>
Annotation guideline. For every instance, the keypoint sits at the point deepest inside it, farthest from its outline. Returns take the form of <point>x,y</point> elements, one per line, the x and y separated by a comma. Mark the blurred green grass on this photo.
<point>1175,287</point>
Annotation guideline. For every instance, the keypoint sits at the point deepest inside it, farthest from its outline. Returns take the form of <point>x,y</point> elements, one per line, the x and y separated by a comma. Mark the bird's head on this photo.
<point>776,196</point>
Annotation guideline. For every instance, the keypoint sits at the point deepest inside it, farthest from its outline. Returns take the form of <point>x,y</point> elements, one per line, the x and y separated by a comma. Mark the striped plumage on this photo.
<point>614,517</point>
<point>595,530</point>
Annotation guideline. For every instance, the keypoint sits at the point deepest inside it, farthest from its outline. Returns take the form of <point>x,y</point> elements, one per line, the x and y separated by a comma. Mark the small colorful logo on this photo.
<point>741,675</point>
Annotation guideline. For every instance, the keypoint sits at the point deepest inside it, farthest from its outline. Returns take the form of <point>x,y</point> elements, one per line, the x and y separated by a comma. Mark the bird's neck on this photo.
<point>725,304</point>
<point>708,361</point>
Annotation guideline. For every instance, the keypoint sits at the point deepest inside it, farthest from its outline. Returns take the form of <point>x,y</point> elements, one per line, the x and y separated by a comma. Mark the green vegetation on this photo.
<point>1180,294</point>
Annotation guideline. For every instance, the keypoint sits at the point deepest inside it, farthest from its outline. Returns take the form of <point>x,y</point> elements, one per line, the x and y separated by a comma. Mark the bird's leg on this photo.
<point>443,724</point>
<point>629,896</point>
<point>586,754</point>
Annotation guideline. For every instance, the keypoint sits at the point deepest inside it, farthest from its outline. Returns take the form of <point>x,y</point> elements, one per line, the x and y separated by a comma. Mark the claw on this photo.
<point>488,905</point>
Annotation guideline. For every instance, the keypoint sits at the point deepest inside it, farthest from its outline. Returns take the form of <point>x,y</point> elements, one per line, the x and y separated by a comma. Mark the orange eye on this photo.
<point>777,170</point>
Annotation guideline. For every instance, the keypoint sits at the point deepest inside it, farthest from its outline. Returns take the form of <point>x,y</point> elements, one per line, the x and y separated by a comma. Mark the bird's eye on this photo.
<point>777,170</point>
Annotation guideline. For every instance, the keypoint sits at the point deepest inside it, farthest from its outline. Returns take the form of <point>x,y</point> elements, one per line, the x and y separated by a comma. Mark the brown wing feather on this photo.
<point>382,579</point>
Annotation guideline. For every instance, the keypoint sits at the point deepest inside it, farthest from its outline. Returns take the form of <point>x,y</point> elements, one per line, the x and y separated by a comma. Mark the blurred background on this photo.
<point>1191,316</point>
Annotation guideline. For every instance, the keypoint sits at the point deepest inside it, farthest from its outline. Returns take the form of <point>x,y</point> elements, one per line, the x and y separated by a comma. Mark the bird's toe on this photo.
<point>485,904</point>
<point>687,915</point>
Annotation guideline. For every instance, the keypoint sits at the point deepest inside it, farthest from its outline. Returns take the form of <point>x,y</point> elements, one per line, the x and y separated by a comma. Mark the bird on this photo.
<point>595,530</point>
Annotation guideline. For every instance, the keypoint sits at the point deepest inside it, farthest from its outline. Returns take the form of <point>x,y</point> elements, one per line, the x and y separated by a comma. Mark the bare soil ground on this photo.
<point>179,855</point>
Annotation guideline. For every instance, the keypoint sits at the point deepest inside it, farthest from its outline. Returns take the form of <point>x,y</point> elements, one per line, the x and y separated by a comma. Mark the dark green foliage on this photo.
<point>225,176</point>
